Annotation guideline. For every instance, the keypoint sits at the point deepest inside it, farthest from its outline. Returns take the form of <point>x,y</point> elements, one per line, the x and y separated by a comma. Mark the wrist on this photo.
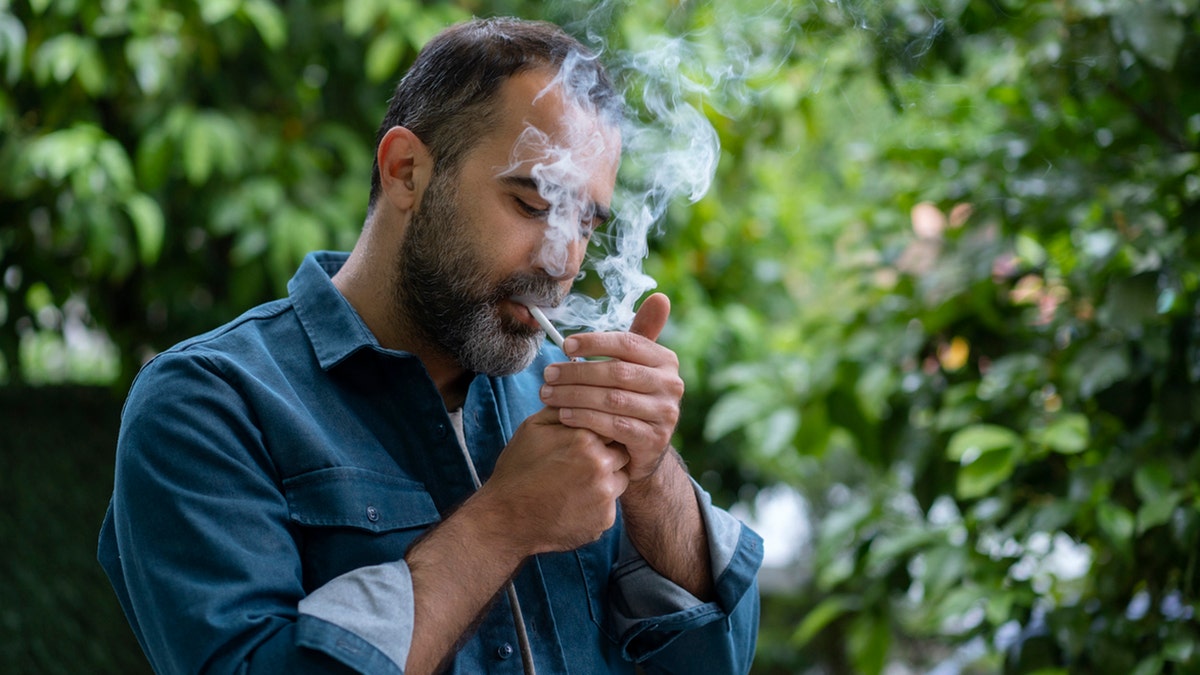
<point>489,523</point>
<point>659,478</point>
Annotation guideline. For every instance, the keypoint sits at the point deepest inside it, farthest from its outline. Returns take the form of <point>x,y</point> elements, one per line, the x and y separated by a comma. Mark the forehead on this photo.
<point>542,133</point>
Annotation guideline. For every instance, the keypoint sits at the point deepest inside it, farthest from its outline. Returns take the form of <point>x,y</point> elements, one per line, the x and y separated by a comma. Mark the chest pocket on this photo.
<point>349,517</point>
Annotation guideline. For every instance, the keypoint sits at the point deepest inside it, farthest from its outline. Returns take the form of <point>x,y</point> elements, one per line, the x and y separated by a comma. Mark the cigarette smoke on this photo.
<point>670,148</point>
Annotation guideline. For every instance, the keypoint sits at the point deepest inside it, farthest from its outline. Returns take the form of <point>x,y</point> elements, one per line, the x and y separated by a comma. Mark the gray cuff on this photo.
<point>375,603</point>
<point>639,592</point>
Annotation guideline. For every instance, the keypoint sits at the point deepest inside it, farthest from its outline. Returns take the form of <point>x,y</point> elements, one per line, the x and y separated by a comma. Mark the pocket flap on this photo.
<point>352,497</point>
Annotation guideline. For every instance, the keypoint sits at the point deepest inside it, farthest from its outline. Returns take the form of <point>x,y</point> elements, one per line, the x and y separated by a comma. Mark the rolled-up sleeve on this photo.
<point>205,561</point>
<point>659,622</point>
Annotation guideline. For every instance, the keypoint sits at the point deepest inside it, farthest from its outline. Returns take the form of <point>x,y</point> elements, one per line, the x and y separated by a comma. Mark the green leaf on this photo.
<point>968,443</point>
<point>1099,368</point>
<point>1068,434</point>
<point>12,46</point>
<point>828,611</point>
<point>889,548</point>
<point>38,296</point>
<point>360,15</point>
<point>835,571</point>
<point>988,470</point>
<point>60,153</point>
<point>1151,665</point>
<point>197,152</point>
<point>216,11</point>
<point>210,140</point>
<point>1157,511</point>
<point>735,409</point>
<point>149,225</point>
<point>998,606</point>
<point>1152,481</point>
<point>775,433</point>
<point>153,158</point>
<point>57,58</point>
<point>838,528</point>
<point>1116,522</point>
<point>1030,251</point>
<point>145,58</point>
<point>869,641</point>
<point>269,21</point>
<point>117,167</point>
<point>90,68</point>
<point>383,55</point>
<point>945,568</point>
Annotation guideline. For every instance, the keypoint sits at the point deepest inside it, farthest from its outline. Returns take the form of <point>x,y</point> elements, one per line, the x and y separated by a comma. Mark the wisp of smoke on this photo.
<point>670,151</point>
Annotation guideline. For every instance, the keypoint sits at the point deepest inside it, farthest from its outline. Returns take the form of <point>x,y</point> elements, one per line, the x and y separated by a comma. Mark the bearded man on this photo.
<point>345,480</point>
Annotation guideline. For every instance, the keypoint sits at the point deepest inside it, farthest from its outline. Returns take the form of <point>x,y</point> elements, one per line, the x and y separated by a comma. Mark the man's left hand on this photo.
<point>631,396</point>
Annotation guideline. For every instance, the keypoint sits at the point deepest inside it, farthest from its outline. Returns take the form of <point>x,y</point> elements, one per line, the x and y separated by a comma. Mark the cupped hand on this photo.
<point>555,485</point>
<point>630,395</point>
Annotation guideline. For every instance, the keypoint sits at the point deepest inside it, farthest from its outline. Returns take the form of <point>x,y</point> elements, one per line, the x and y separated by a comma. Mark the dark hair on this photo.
<point>447,99</point>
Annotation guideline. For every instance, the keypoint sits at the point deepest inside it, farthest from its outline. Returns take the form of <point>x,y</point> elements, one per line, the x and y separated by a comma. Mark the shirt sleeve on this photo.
<point>200,549</point>
<point>662,623</point>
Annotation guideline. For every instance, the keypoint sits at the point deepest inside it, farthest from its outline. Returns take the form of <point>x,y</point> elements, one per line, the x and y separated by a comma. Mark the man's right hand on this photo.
<point>556,487</point>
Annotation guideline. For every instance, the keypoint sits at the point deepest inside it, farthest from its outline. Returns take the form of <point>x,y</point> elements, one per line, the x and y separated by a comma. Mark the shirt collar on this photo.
<point>333,327</point>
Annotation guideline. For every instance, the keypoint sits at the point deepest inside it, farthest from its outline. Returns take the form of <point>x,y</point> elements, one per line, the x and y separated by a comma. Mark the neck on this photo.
<point>367,282</point>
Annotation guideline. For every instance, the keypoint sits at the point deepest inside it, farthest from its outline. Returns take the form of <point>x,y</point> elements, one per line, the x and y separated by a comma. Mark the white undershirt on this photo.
<point>456,419</point>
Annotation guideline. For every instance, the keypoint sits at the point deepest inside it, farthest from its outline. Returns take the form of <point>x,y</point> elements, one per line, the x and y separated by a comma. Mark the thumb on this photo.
<point>651,317</point>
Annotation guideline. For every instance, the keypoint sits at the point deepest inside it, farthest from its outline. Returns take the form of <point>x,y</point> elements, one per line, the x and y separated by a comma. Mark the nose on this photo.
<point>560,260</point>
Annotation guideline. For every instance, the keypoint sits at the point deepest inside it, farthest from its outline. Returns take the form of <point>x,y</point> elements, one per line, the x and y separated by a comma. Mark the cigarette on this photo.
<point>551,332</point>
<point>547,327</point>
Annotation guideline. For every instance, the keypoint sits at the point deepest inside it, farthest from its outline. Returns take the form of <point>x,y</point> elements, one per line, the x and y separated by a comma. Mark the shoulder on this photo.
<point>255,331</point>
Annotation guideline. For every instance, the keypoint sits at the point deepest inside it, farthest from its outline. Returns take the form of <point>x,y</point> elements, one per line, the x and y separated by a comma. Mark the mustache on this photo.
<point>536,289</point>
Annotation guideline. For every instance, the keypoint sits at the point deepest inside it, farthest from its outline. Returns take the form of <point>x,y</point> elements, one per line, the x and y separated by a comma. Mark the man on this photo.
<point>294,491</point>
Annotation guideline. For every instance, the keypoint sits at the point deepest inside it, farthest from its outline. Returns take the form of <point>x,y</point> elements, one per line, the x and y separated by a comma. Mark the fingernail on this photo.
<point>566,413</point>
<point>570,345</point>
<point>547,391</point>
<point>551,373</point>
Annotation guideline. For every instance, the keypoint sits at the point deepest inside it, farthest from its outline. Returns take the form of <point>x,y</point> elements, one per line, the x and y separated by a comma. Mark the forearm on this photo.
<point>663,521</point>
<point>456,574</point>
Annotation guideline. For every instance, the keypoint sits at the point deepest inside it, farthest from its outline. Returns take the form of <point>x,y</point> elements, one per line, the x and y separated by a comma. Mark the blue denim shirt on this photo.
<point>271,475</point>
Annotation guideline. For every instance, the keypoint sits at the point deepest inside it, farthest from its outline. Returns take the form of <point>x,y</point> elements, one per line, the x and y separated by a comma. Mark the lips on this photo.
<point>521,313</point>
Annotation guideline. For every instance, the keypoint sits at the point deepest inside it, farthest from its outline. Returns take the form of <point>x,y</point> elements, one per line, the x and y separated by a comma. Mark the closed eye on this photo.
<point>531,210</point>
<point>597,218</point>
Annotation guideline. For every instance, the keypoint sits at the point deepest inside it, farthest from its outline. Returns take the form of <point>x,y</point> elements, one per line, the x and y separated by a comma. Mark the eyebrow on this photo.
<point>599,212</point>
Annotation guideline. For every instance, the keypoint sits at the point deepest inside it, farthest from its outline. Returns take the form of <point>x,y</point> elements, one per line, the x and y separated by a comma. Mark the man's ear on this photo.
<point>404,168</point>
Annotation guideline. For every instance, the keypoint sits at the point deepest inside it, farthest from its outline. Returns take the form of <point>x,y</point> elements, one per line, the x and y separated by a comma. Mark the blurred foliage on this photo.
<point>58,614</point>
<point>944,285</point>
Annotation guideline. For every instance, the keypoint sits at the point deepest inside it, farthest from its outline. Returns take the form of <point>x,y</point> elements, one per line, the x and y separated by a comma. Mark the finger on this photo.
<point>627,402</point>
<point>611,374</point>
<point>547,415</point>
<point>635,434</point>
<point>618,456</point>
<point>651,317</point>
<point>620,345</point>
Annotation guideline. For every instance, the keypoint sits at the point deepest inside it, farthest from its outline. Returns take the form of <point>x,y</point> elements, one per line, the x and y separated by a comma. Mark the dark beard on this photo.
<point>446,298</point>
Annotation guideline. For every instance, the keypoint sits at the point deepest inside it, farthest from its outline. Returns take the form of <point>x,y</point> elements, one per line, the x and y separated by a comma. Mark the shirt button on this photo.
<point>440,431</point>
<point>504,651</point>
<point>372,514</point>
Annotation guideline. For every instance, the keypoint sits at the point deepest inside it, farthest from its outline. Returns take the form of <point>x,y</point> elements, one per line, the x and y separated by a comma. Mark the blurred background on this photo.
<point>939,313</point>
